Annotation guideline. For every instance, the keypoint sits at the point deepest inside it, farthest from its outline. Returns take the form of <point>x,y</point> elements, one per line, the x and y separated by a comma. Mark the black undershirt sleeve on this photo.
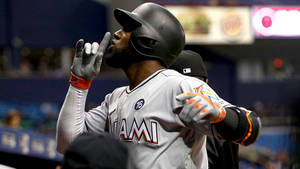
<point>235,125</point>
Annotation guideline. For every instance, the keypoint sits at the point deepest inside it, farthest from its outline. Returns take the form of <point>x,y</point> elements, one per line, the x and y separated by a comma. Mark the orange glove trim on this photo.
<point>222,114</point>
<point>79,82</point>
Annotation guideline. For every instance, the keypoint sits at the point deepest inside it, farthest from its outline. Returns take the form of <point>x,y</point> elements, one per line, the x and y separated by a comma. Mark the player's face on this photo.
<point>118,54</point>
<point>120,41</point>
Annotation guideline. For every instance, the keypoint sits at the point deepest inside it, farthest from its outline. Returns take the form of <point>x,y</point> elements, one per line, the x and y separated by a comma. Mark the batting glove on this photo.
<point>87,61</point>
<point>200,109</point>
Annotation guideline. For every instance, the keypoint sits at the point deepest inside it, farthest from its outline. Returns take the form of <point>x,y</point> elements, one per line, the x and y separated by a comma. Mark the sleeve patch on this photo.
<point>206,92</point>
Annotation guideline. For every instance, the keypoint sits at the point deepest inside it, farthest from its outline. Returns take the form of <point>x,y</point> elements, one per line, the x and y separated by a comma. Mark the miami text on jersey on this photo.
<point>137,131</point>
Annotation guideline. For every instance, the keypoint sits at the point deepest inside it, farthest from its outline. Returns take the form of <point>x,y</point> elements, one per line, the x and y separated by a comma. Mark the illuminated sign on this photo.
<point>215,25</point>
<point>275,21</point>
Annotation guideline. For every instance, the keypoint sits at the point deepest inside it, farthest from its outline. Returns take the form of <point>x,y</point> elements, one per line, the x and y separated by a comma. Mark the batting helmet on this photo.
<point>190,63</point>
<point>156,33</point>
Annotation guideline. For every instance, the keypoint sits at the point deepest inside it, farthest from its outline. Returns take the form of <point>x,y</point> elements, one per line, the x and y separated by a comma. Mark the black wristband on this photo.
<point>255,126</point>
<point>234,126</point>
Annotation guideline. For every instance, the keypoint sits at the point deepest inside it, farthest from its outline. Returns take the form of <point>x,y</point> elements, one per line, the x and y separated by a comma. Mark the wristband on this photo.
<point>79,82</point>
<point>249,131</point>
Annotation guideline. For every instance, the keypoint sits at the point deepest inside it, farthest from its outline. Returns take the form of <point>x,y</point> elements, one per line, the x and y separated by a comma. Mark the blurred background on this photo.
<point>251,49</point>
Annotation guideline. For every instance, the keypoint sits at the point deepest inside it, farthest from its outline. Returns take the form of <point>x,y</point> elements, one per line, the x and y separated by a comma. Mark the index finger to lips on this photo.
<point>104,43</point>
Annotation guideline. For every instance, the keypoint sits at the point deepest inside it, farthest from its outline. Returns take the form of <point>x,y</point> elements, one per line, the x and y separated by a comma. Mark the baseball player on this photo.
<point>160,115</point>
<point>222,154</point>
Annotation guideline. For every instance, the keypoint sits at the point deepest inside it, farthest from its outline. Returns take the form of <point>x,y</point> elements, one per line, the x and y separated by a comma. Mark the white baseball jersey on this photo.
<point>144,118</point>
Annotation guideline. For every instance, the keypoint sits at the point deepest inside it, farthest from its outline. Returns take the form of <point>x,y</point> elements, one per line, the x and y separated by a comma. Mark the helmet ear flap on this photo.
<point>145,44</point>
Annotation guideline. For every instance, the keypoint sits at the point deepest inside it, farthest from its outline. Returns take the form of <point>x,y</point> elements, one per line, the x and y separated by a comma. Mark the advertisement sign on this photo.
<point>214,25</point>
<point>276,21</point>
<point>28,143</point>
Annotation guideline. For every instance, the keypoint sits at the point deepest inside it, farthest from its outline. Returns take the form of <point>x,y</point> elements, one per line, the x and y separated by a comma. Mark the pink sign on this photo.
<point>276,21</point>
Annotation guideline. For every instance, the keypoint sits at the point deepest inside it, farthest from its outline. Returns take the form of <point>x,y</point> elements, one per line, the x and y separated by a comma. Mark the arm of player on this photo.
<point>232,123</point>
<point>72,119</point>
<point>240,126</point>
<point>200,109</point>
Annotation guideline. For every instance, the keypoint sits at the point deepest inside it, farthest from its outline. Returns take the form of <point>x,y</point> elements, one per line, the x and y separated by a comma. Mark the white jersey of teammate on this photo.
<point>144,118</point>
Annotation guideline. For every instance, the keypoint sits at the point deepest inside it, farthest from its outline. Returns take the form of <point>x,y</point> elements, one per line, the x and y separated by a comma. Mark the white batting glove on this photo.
<point>87,62</point>
<point>200,109</point>
<point>88,57</point>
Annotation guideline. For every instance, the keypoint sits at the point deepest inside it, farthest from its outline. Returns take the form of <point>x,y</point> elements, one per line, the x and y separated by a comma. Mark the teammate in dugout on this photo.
<point>222,154</point>
<point>159,107</point>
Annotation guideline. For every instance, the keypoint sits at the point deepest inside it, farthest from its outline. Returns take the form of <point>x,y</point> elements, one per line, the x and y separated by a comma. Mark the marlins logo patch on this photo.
<point>139,104</point>
<point>207,92</point>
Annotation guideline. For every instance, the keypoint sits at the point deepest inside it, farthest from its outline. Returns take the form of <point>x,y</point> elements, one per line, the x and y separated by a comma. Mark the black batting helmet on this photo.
<point>87,152</point>
<point>190,63</point>
<point>156,33</point>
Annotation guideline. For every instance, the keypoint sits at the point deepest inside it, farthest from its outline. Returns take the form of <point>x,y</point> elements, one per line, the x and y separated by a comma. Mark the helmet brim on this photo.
<point>127,19</point>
